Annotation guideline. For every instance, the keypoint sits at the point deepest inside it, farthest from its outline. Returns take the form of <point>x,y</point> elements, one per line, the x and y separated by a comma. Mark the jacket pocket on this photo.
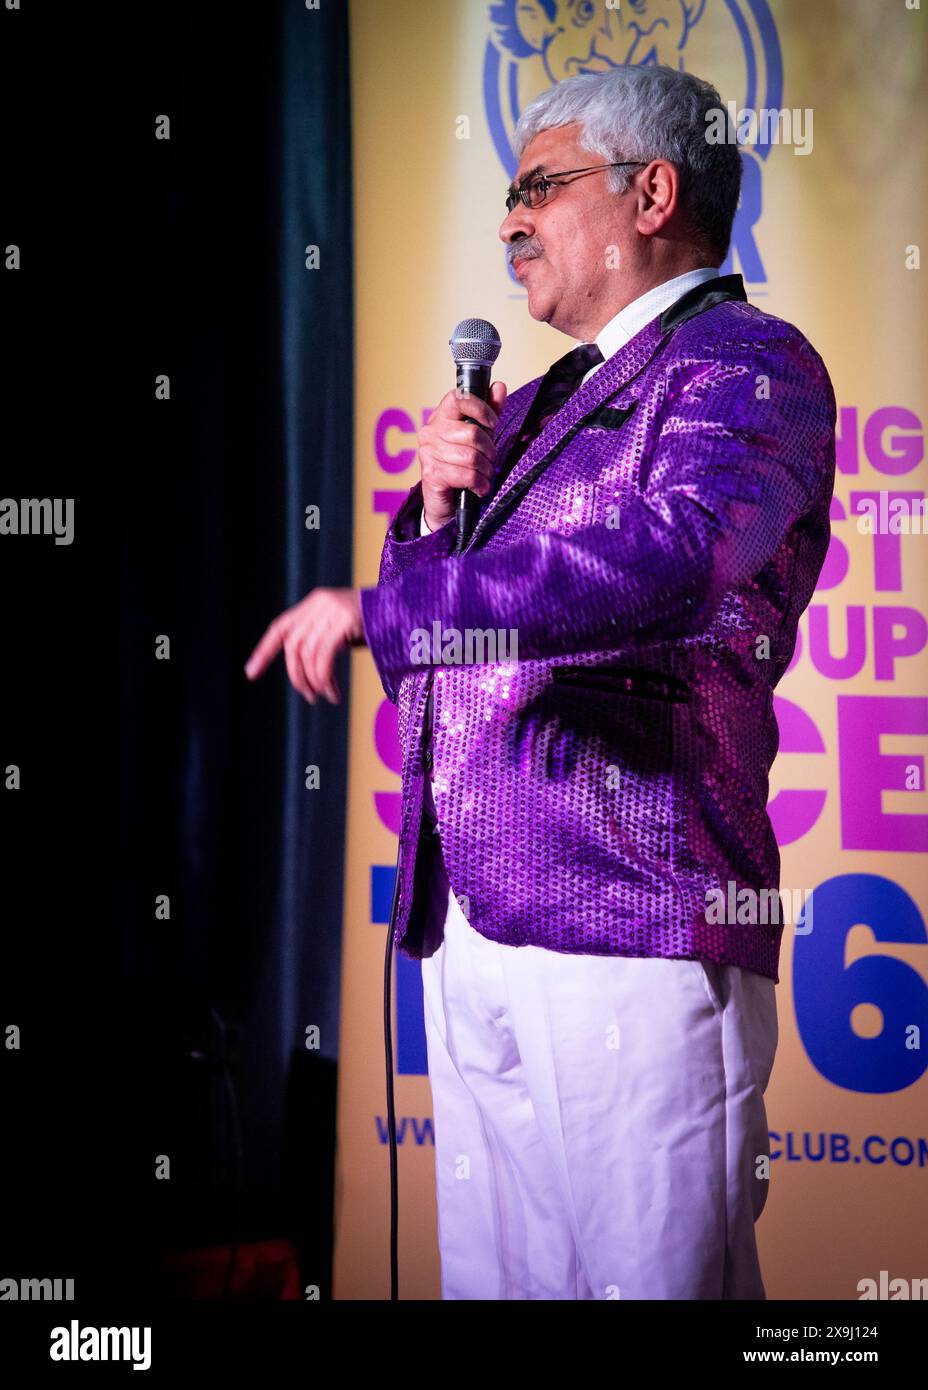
<point>620,680</point>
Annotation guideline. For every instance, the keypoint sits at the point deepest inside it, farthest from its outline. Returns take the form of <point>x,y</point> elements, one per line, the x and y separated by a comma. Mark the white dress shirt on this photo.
<point>628,321</point>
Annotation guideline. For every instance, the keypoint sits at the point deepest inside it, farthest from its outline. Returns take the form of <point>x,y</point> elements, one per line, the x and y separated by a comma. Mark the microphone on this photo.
<point>474,347</point>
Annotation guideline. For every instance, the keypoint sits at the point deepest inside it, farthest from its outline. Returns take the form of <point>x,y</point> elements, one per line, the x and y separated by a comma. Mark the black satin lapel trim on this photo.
<point>509,440</point>
<point>612,417</point>
<point>702,297</point>
<point>498,505</point>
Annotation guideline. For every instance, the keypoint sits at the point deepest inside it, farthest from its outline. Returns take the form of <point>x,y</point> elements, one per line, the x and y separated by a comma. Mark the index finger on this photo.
<point>462,406</point>
<point>265,651</point>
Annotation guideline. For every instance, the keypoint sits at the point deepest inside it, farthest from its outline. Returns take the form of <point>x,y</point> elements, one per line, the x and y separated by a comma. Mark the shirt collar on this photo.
<point>630,320</point>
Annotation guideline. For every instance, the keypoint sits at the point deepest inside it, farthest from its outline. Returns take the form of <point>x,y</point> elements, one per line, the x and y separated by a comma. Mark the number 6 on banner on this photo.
<point>825,992</point>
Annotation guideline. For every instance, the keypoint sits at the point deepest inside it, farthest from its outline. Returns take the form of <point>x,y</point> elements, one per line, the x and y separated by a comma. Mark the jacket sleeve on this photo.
<point>744,446</point>
<point>405,547</point>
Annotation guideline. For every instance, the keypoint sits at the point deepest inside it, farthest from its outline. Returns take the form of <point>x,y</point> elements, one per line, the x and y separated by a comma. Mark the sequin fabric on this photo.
<point>653,559</point>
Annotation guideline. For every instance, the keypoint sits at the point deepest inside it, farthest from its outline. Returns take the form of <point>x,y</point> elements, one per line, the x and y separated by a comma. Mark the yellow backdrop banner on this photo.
<point>830,103</point>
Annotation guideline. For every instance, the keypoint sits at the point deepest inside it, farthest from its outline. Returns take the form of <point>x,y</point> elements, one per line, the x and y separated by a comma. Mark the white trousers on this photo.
<point>599,1121</point>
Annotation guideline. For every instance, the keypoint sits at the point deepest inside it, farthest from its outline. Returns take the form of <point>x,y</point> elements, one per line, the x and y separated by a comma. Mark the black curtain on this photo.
<point>154,773</point>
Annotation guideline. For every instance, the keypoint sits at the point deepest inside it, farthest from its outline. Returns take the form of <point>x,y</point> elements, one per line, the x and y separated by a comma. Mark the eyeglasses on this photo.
<point>535,188</point>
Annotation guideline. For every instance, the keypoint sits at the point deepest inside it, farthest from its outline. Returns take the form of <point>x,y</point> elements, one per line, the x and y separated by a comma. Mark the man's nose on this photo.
<point>516,224</point>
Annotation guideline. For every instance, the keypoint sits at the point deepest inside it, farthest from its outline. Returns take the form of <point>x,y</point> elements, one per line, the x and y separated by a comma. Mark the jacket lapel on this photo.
<point>607,382</point>
<point>611,379</point>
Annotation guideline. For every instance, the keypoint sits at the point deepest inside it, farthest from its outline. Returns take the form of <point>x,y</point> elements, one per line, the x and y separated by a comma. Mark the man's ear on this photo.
<point>668,177</point>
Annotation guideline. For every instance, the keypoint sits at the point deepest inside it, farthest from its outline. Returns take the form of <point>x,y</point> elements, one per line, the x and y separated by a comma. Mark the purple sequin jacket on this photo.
<point>652,551</point>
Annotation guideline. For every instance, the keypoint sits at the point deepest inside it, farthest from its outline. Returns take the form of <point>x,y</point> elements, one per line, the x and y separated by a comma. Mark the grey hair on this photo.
<point>649,113</point>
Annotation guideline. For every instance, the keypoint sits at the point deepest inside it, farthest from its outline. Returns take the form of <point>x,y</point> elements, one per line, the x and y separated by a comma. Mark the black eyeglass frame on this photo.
<point>520,194</point>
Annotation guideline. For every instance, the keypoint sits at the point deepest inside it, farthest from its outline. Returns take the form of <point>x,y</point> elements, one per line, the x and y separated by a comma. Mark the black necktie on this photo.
<point>557,385</point>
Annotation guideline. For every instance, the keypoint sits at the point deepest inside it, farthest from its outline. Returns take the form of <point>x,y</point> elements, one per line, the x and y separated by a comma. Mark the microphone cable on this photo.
<point>391,1104</point>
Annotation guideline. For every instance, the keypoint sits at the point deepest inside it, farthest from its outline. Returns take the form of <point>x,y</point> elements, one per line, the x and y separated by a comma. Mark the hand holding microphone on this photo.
<point>457,455</point>
<point>457,459</point>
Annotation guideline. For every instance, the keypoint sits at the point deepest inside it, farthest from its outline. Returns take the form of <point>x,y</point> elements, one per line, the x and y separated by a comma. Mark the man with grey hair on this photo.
<point>654,518</point>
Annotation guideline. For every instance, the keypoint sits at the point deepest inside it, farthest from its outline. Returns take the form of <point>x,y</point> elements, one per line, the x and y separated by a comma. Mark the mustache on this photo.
<point>525,249</point>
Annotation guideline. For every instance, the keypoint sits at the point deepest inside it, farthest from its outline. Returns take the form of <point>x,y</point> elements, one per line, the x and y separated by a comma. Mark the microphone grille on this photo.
<point>475,341</point>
